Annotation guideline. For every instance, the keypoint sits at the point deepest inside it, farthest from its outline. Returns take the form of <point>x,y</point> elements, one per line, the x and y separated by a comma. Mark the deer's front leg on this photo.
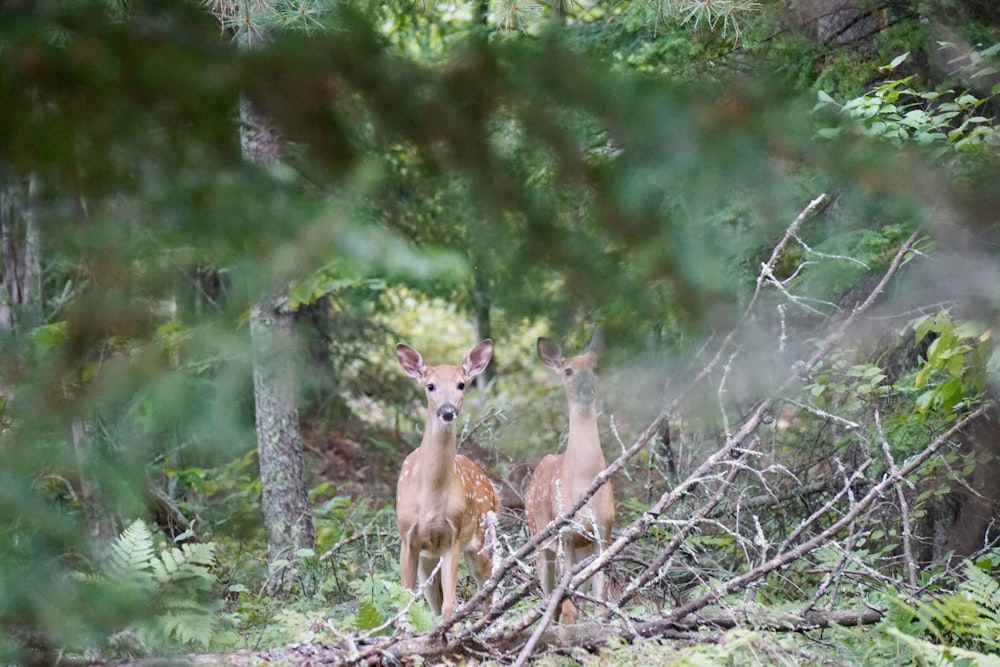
<point>408,559</point>
<point>449,576</point>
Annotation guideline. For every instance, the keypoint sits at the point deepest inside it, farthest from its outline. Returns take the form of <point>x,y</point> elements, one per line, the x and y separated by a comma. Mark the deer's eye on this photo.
<point>431,387</point>
<point>569,372</point>
<point>461,386</point>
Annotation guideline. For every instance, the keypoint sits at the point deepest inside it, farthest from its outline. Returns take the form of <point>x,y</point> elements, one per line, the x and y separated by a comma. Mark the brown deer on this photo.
<point>445,503</point>
<point>560,479</point>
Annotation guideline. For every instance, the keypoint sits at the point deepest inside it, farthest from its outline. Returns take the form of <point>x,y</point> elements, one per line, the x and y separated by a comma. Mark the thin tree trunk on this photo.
<point>101,525</point>
<point>8,207</point>
<point>20,311</point>
<point>21,299</point>
<point>558,12</point>
<point>288,523</point>
<point>481,325</point>
<point>287,520</point>
<point>259,139</point>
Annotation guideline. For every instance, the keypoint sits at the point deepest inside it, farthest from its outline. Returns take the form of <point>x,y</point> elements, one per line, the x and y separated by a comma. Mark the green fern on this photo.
<point>942,656</point>
<point>131,558</point>
<point>192,624</point>
<point>368,617</point>
<point>381,599</point>
<point>177,582</point>
<point>983,589</point>
<point>192,562</point>
<point>962,625</point>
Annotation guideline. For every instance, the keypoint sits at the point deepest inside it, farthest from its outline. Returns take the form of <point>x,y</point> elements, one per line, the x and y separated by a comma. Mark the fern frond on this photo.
<point>175,581</point>
<point>195,625</point>
<point>934,654</point>
<point>190,562</point>
<point>968,618</point>
<point>982,589</point>
<point>983,592</point>
<point>131,557</point>
<point>960,619</point>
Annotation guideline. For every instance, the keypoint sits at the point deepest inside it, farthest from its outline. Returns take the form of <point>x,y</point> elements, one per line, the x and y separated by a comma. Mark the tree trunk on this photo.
<point>21,310</point>
<point>481,328</point>
<point>259,139</point>
<point>558,12</point>
<point>21,298</point>
<point>974,526</point>
<point>102,528</point>
<point>287,520</point>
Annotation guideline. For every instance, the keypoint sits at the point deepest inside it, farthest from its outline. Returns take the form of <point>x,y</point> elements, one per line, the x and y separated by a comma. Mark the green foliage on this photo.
<point>177,586</point>
<point>325,283</point>
<point>723,18</point>
<point>846,387</point>
<point>960,627</point>
<point>50,336</point>
<point>711,15</point>
<point>947,121</point>
<point>380,600</point>
<point>953,373</point>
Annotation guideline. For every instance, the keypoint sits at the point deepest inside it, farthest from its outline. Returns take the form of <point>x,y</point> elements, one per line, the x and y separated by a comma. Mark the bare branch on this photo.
<point>788,555</point>
<point>911,564</point>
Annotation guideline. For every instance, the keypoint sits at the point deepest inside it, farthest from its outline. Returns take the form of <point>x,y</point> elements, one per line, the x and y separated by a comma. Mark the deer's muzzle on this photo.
<point>447,413</point>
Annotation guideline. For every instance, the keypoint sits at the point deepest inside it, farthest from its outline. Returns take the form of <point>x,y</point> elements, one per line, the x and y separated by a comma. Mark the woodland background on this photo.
<point>217,219</point>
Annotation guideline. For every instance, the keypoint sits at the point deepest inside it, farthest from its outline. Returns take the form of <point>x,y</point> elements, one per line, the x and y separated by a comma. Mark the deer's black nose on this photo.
<point>448,413</point>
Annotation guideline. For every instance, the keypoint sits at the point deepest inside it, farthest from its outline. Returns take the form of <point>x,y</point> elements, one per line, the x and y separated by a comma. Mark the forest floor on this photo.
<point>362,461</point>
<point>357,459</point>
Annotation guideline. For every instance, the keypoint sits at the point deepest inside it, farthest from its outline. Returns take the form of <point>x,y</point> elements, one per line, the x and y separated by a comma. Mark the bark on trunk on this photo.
<point>288,523</point>
<point>481,326</point>
<point>21,297</point>
<point>287,520</point>
<point>259,139</point>
<point>102,528</point>
<point>974,527</point>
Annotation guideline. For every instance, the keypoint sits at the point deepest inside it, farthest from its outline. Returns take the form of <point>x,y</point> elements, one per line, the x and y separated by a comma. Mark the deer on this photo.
<point>445,503</point>
<point>559,480</point>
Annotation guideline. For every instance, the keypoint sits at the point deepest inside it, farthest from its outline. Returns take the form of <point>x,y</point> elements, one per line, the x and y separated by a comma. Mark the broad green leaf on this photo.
<point>50,336</point>
<point>955,364</point>
<point>925,400</point>
<point>896,62</point>
<point>922,326</point>
<point>825,97</point>
<point>368,617</point>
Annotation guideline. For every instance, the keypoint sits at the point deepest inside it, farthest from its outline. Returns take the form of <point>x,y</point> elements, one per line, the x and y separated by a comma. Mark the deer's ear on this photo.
<point>550,353</point>
<point>411,361</point>
<point>478,359</point>
<point>596,342</point>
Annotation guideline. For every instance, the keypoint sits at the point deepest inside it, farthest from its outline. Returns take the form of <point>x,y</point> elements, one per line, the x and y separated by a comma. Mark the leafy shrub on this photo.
<point>954,371</point>
<point>949,122</point>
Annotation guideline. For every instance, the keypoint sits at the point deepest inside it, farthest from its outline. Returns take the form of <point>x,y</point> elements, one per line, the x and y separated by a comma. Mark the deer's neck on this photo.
<point>583,458</point>
<point>437,461</point>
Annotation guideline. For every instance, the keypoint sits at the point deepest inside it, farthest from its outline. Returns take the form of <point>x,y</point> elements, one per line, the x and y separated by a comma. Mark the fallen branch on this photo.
<point>789,554</point>
<point>432,646</point>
